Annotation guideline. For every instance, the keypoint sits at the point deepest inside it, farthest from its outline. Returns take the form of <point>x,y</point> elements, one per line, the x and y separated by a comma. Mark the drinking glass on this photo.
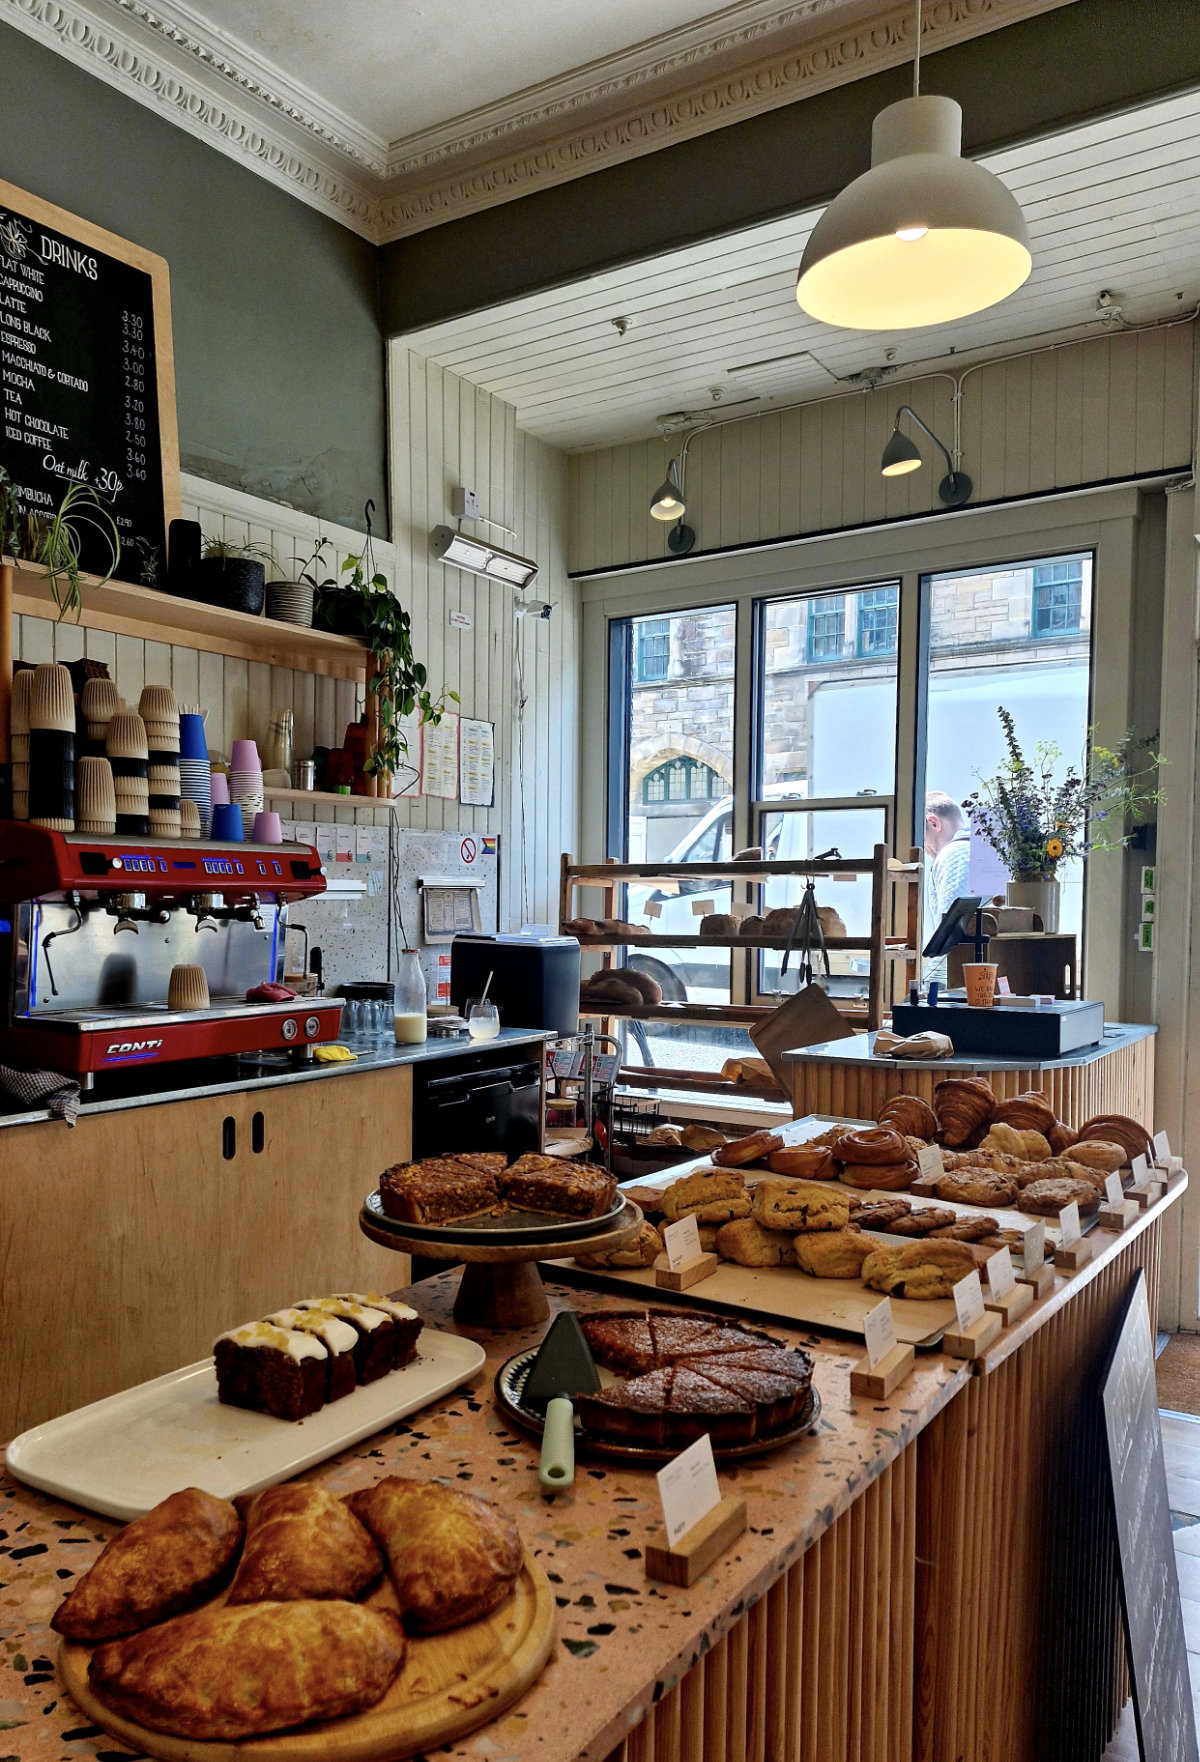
<point>483,1020</point>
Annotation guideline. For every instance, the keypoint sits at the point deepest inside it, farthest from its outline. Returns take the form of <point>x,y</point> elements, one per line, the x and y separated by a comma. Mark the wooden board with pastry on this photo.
<point>294,1625</point>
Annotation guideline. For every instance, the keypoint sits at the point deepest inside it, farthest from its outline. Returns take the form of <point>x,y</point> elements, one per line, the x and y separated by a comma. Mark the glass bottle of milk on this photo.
<point>409,1017</point>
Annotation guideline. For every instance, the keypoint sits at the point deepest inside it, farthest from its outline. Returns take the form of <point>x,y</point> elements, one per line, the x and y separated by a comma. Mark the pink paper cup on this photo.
<point>268,828</point>
<point>244,756</point>
<point>219,784</point>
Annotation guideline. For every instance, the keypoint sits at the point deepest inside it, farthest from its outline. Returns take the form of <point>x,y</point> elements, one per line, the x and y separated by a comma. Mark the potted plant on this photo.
<point>291,602</point>
<point>1034,819</point>
<point>233,574</point>
<point>56,541</point>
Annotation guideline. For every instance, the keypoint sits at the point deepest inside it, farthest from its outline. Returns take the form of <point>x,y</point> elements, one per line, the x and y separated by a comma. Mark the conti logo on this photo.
<point>133,1049</point>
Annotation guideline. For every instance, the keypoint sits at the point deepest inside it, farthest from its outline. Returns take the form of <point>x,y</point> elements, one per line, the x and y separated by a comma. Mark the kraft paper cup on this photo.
<point>979,977</point>
<point>158,704</point>
<point>126,736</point>
<point>22,691</point>
<point>187,988</point>
<point>52,699</point>
<point>95,792</point>
<point>189,819</point>
<point>98,705</point>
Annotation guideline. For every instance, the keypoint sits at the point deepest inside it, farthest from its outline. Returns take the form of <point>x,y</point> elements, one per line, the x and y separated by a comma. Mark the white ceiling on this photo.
<point>1110,205</point>
<point>401,66</point>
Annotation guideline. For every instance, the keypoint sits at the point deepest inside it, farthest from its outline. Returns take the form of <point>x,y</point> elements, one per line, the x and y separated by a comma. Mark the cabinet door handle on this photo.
<point>258,1134</point>
<point>228,1138</point>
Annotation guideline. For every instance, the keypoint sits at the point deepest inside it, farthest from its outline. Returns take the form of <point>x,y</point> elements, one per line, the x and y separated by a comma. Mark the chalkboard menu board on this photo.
<point>87,384</point>
<point>1162,1694</point>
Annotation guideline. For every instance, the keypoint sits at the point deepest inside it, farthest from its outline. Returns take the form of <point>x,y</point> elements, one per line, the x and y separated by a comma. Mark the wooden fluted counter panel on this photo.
<point>821,1668</point>
<point>1120,1080</point>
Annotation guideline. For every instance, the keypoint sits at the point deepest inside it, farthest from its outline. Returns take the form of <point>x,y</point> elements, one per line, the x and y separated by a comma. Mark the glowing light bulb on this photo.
<point>910,234</point>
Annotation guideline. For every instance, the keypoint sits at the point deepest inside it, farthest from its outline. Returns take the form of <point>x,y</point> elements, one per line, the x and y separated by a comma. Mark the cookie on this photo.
<point>1047,1198</point>
<point>923,1220</point>
<point>966,1229</point>
<point>879,1214</point>
<point>977,1187</point>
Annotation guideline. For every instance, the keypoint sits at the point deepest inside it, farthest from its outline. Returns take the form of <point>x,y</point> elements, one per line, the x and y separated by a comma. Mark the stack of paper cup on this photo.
<point>96,798</point>
<point>98,704</point>
<point>194,771</point>
<point>187,988</point>
<point>162,783</point>
<point>219,787</point>
<point>160,712</point>
<point>128,754</point>
<point>52,749</point>
<point>245,782</point>
<point>22,690</point>
<point>189,819</point>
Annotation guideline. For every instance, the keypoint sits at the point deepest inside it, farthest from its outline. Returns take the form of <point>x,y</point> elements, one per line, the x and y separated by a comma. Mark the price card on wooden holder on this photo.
<point>1114,1191</point>
<point>1002,1279</point>
<point>930,1163</point>
<point>1162,1150</point>
<point>879,1332</point>
<point>968,1300</point>
<point>1069,1231</point>
<point>703,908</point>
<point>682,1243</point>
<point>1141,1171</point>
<point>688,1488</point>
<point>1033,1249</point>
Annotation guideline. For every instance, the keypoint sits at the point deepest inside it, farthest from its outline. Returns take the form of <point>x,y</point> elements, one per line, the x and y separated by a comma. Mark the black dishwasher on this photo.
<point>469,1103</point>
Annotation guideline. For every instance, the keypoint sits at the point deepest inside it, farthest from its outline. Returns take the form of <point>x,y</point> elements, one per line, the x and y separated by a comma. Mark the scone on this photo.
<point>642,1251</point>
<point>922,1270</point>
<point>800,1205</point>
<point>1047,1198</point>
<point>711,1196</point>
<point>746,1243</point>
<point>833,1254</point>
<point>977,1187</point>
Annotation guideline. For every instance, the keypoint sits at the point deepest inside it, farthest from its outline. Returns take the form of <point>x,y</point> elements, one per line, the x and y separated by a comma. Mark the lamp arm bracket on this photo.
<point>907,410</point>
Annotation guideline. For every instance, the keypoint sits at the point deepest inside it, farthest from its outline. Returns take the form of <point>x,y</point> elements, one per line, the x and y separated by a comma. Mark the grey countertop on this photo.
<point>226,1080</point>
<point>861,1051</point>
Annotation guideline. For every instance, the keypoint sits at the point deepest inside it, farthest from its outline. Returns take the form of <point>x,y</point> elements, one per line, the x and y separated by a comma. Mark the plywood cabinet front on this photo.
<point>127,1244</point>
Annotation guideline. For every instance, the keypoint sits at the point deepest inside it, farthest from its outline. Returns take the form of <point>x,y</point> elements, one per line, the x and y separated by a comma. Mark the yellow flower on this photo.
<point>1054,848</point>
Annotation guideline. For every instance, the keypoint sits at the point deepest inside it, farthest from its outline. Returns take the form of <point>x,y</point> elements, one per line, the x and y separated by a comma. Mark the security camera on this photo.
<point>534,609</point>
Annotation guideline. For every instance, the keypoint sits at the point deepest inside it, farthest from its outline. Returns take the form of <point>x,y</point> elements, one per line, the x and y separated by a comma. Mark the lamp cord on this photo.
<point>917,56</point>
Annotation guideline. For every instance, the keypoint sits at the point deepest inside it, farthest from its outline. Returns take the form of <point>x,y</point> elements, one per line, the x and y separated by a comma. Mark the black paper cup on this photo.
<point>51,774</point>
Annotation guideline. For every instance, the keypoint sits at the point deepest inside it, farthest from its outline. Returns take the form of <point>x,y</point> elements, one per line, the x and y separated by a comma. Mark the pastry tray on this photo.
<point>511,1229</point>
<point>122,1455</point>
<point>514,1373</point>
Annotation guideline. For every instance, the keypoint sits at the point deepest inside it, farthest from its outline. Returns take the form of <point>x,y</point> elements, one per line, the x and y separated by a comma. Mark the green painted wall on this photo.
<point>279,356</point>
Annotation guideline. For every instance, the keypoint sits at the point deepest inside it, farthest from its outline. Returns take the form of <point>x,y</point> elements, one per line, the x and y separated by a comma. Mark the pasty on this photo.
<point>156,1566</point>
<point>452,1557</point>
<point>301,1542</point>
<point>222,1674</point>
<point>642,1251</point>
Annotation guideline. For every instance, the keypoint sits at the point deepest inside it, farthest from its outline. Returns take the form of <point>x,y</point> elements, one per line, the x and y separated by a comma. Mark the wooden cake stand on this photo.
<point>500,1285</point>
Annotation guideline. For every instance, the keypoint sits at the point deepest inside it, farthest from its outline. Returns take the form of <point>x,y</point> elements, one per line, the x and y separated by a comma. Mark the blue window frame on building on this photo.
<point>827,628</point>
<point>1057,597</point>
<point>878,612</point>
<point>653,649</point>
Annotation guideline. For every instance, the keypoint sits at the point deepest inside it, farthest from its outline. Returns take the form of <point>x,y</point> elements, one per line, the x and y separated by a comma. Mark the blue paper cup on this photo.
<point>192,744</point>
<point>227,823</point>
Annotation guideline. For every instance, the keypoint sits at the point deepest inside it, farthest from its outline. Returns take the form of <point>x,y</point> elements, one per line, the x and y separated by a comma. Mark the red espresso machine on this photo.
<point>91,928</point>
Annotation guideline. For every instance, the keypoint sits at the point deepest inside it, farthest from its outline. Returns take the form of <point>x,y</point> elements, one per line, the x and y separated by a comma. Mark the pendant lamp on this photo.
<point>667,502</point>
<point>925,236</point>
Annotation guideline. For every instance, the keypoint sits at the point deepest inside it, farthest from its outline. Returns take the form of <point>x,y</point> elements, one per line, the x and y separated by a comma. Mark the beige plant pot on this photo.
<point>1042,894</point>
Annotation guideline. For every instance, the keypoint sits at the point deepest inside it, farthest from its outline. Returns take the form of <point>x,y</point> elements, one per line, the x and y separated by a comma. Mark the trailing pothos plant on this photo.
<point>398,680</point>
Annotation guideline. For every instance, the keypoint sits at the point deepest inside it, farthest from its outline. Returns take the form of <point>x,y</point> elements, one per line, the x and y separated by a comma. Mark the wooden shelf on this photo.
<point>326,799</point>
<point>604,874</point>
<point>128,610</point>
<point>695,1082</point>
<point>732,1015</point>
<point>653,941</point>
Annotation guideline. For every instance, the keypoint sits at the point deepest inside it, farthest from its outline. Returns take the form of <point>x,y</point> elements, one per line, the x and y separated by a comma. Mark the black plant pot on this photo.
<point>237,583</point>
<point>339,609</point>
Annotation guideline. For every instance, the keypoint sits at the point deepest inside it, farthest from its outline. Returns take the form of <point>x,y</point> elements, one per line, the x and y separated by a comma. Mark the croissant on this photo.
<point>1118,1128</point>
<point>1029,1145</point>
<point>1030,1112</point>
<point>1061,1137</point>
<point>962,1104</point>
<point>908,1115</point>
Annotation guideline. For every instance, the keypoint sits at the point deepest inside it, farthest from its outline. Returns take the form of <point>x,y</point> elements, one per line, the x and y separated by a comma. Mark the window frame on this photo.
<point>1074,585</point>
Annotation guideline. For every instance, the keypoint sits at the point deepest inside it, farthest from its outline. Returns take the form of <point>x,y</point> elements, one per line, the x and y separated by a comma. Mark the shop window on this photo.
<point>827,628</point>
<point>1057,597</point>
<point>878,611</point>
<point>653,649</point>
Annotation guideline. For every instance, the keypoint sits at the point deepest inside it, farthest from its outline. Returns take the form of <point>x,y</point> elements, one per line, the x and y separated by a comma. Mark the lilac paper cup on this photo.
<point>268,828</point>
<point>219,785</point>
<point>244,756</point>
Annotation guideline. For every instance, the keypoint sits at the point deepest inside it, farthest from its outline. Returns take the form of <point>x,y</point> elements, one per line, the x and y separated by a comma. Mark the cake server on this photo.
<point>563,1368</point>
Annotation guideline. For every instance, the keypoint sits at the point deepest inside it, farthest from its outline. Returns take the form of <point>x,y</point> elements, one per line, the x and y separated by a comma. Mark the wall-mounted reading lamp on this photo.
<point>667,503</point>
<point>901,455</point>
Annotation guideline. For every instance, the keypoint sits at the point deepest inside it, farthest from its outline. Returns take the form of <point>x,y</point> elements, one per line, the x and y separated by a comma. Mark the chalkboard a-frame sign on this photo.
<point>87,377</point>
<point>1158,1660</point>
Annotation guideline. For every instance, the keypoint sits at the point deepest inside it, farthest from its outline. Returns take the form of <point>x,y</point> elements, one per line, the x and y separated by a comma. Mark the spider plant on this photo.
<point>56,542</point>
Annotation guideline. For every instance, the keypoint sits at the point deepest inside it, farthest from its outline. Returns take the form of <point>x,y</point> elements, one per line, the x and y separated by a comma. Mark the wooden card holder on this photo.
<point>682,1278</point>
<point>1041,1283</point>
<point>1012,1306</point>
<point>1119,1217</point>
<point>1069,1260</point>
<point>1148,1194</point>
<point>695,1552</point>
<point>879,1382</point>
<point>925,1187</point>
<point>972,1341</point>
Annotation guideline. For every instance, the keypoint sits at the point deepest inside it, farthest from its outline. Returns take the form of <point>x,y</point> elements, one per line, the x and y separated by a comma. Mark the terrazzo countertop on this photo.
<point>621,1640</point>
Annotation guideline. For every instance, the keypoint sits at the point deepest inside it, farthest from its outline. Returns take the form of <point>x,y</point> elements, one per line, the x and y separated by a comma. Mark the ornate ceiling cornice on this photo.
<point>754,57</point>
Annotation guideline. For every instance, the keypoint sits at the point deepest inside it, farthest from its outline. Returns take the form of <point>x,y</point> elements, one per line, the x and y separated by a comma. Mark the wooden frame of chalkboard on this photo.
<point>87,376</point>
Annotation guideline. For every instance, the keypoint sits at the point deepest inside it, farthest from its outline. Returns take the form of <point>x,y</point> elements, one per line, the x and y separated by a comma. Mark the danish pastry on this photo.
<point>962,1104</point>
<point>833,1254</point>
<point>908,1115</point>
<point>921,1270</point>
<point>1029,1112</point>
<point>1021,1141</point>
<point>872,1146</point>
<point>1097,1154</point>
<point>1118,1128</point>
<point>1047,1198</point>
<point>888,1177</point>
<point>802,1161</point>
<point>977,1187</point>
<point>746,1243</point>
<point>755,1147</point>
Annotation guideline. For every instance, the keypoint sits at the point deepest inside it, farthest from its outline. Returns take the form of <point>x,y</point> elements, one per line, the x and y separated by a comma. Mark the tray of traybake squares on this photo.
<point>789,1293</point>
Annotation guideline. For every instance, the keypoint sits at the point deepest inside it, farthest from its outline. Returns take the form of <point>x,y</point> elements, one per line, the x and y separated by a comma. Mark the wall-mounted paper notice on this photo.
<point>439,758</point>
<point>476,763</point>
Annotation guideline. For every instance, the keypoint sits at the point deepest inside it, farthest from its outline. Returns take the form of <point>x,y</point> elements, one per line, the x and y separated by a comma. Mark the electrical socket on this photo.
<point>464,503</point>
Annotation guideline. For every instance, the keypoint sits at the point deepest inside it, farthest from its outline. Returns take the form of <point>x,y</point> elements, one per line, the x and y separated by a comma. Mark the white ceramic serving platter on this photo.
<point>122,1455</point>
